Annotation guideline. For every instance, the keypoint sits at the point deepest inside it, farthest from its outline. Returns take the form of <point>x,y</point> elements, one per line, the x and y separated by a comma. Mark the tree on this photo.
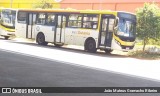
<point>44,4</point>
<point>148,23</point>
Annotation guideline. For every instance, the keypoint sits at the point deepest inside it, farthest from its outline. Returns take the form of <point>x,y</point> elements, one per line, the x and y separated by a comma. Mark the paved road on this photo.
<point>113,62</point>
<point>20,70</point>
<point>25,71</point>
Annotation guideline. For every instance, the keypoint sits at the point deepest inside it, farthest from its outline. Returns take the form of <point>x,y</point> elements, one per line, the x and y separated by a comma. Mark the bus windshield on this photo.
<point>126,28</point>
<point>126,25</point>
<point>8,18</point>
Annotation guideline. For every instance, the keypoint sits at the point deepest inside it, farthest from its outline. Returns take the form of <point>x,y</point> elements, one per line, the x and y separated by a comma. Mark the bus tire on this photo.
<point>6,37</point>
<point>108,51</point>
<point>90,45</point>
<point>41,39</point>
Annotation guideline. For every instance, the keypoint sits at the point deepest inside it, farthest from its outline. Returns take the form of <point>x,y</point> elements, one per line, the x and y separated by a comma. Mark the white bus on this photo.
<point>93,29</point>
<point>7,22</point>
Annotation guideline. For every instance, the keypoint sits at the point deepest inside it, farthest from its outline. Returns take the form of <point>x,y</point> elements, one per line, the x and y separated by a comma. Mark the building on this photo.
<point>25,3</point>
<point>118,5</point>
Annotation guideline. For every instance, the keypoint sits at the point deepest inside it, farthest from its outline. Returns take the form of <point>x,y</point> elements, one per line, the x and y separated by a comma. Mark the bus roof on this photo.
<point>74,11</point>
<point>68,11</point>
<point>8,8</point>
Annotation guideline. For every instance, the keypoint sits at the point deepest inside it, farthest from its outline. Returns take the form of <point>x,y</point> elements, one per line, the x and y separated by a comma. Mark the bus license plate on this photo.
<point>127,48</point>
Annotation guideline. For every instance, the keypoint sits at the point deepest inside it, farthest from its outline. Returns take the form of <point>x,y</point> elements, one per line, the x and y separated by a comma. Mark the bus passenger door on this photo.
<point>59,35</point>
<point>106,31</point>
<point>30,25</point>
<point>21,25</point>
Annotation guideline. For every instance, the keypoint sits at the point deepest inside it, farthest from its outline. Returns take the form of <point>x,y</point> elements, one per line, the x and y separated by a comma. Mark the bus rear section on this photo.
<point>7,24</point>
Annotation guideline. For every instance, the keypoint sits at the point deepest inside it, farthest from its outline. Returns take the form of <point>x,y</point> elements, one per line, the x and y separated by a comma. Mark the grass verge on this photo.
<point>144,55</point>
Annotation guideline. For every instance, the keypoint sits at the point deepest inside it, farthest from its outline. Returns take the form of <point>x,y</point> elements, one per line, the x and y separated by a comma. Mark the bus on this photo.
<point>93,29</point>
<point>7,22</point>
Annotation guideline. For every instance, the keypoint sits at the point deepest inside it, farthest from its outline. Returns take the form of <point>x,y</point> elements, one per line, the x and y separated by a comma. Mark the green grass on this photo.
<point>138,53</point>
<point>143,55</point>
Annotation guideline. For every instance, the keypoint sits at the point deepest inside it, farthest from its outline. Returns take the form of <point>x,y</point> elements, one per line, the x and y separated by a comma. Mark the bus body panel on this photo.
<point>78,37</point>
<point>48,32</point>
<point>115,45</point>
<point>6,31</point>
<point>66,31</point>
<point>20,30</point>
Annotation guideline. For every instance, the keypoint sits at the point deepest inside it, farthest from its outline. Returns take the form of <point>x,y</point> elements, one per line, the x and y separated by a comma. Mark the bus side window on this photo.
<point>90,21</point>
<point>95,22</point>
<point>41,18</point>
<point>22,17</point>
<point>75,20</point>
<point>86,22</point>
<point>50,21</point>
<point>111,25</point>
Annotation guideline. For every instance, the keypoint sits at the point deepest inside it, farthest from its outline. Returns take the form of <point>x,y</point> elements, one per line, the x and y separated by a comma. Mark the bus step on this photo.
<point>59,43</point>
<point>104,47</point>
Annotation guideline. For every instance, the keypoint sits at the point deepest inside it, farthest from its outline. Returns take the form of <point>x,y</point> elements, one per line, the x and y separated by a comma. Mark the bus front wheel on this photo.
<point>90,46</point>
<point>41,39</point>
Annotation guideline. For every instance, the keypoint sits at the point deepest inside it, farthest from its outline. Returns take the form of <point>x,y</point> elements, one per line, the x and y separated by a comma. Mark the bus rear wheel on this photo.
<point>90,46</point>
<point>41,39</point>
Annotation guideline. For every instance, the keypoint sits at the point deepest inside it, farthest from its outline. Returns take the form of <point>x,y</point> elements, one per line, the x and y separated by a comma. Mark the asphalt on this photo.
<point>19,70</point>
<point>130,66</point>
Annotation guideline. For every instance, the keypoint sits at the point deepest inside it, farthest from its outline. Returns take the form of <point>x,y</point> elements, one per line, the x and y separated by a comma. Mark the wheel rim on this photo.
<point>40,38</point>
<point>90,45</point>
